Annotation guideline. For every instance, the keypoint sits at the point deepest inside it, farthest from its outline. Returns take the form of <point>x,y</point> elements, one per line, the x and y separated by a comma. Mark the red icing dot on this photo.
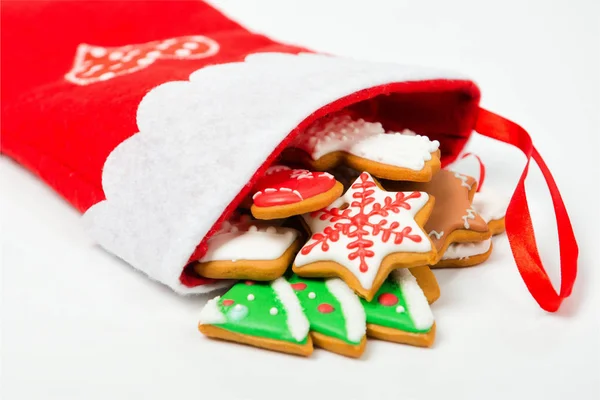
<point>249,283</point>
<point>299,286</point>
<point>325,308</point>
<point>387,299</point>
<point>228,302</point>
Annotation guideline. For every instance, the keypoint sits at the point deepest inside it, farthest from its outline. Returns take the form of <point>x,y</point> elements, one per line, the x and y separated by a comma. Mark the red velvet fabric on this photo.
<point>63,132</point>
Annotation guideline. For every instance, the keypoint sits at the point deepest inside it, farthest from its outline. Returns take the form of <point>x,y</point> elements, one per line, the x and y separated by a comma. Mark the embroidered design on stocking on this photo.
<point>96,63</point>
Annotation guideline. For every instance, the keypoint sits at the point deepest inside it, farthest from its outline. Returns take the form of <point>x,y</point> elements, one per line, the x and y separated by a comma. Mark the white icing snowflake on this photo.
<point>375,223</point>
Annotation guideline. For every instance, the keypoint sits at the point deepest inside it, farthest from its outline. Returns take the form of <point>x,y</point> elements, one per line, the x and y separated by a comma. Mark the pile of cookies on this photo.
<point>336,242</point>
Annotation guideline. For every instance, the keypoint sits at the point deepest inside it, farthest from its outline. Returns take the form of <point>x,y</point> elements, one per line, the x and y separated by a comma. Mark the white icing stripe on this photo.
<point>470,215</point>
<point>416,302</point>
<point>459,251</point>
<point>301,174</point>
<point>296,320</point>
<point>276,168</point>
<point>352,309</point>
<point>211,314</point>
<point>463,180</point>
<point>273,190</point>
<point>437,234</point>
<point>469,165</point>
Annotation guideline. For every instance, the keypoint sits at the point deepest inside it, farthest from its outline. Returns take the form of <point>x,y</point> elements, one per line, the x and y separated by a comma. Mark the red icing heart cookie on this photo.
<point>283,192</point>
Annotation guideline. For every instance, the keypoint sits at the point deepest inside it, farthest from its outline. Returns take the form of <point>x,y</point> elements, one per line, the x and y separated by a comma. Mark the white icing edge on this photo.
<point>211,314</point>
<point>250,244</point>
<point>352,309</point>
<point>490,205</point>
<point>463,180</point>
<point>395,149</point>
<point>459,251</point>
<point>416,302</point>
<point>470,215</point>
<point>437,234</point>
<point>297,322</point>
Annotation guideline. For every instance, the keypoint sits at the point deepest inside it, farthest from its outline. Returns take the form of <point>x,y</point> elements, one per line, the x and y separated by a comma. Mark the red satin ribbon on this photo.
<point>519,228</point>
<point>481,169</point>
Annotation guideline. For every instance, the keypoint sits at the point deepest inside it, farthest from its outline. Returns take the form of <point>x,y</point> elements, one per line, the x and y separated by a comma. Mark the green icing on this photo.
<point>389,315</point>
<point>332,324</point>
<point>253,317</point>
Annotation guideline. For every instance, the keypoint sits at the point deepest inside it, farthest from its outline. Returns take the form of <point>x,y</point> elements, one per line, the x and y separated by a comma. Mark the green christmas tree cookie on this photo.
<point>400,312</point>
<point>266,315</point>
<point>335,313</point>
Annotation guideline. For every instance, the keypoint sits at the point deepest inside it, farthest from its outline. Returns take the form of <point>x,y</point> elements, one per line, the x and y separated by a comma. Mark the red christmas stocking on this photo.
<point>154,119</point>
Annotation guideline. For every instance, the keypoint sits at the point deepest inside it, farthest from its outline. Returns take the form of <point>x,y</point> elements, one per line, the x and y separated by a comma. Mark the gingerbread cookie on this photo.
<point>459,255</point>
<point>249,249</point>
<point>283,192</point>
<point>489,204</point>
<point>336,315</point>
<point>365,234</point>
<point>453,218</point>
<point>265,315</point>
<point>400,312</point>
<point>365,146</point>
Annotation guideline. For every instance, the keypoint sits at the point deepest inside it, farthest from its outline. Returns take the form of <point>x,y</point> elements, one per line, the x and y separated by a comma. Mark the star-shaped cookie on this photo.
<point>453,218</point>
<point>365,146</point>
<point>365,234</point>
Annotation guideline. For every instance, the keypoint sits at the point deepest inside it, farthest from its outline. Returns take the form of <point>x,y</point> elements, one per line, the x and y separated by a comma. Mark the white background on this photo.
<point>77,323</point>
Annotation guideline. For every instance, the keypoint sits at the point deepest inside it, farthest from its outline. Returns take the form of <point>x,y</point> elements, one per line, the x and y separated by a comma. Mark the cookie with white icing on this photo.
<point>265,315</point>
<point>400,312</point>
<point>453,219</point>
<point>365,234</point>
<point>489,204</point>
<point>336,316</point>
<point>460,255</point>
<point>249,249</point>
<point>284,192</point>
<point>492,208</point>
<point>365,146</point>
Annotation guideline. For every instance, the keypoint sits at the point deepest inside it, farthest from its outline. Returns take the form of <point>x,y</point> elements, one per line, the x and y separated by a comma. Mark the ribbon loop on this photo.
<point>519,228</point>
